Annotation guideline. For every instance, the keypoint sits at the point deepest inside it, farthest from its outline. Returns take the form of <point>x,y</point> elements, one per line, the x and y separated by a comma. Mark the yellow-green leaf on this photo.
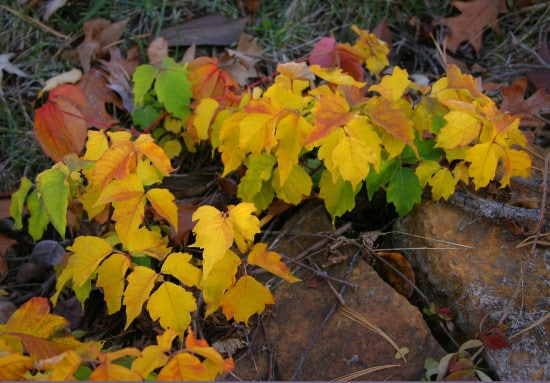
<point>297,185</point>
<point>18,201</point>
<point>53,190</point>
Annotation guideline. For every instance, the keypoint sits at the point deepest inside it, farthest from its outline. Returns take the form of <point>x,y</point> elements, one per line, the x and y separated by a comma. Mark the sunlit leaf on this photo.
<point>140,284</point>
<point>270,261</point>
<point>172,305</point>
<point>246,298</point>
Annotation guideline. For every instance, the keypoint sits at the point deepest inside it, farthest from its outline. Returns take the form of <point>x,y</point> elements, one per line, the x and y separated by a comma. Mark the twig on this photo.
<point>271,354</point>
<point>34,22</point>
<point>327,318</point>
<point>535,324</point>
<point>539,58</point>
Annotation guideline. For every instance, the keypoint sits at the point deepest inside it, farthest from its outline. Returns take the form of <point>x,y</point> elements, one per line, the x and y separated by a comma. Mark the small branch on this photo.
<point>539,58</point>
<point>154,123</point>
<point>34,22</point>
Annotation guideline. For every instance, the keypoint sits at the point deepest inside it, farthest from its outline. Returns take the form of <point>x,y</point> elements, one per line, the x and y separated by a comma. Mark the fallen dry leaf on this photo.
<point>120,72</point>
<point>5,65</point>
<point>402,264</point>
<point>189,54</point>
<point>382,31</point>
<point>541,78</point>
<point>94,85</point>
<point>240,62</point>
<point>51,7</point>
<point>205,30</point>
<point>476,16</point>
<point>69,77</point>
<point>157,51</point>
<point>513,102</point>
<point>5,243</point>
<point>98,33</point>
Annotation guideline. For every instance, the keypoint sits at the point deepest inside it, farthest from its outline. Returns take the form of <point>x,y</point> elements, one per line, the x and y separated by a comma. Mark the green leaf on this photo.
<point>404,190</point>
<point>297,184</point>
<point>141,260</point>
<point>173,89</point>
<point>143,78</point>
<point>259,167</point>
<point>83,373</point>
<point>437,123</point>
<point>313,165</point>
<point>377,179</point>
<point>425,149</point>
<point>339,196</point>
<point>83,292</point>
<point>264,197</point>
<point>18,201</point>
<point>144,115</point>
<point>53,192</point>
<point>38,220</point>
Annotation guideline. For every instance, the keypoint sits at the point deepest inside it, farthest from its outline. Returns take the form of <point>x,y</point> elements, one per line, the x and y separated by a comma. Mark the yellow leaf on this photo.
<point>201,347</point>
<point>109,372</point>
<point>119,136</point>
<point>356,150</point>
<point>110,276</point>
<point>148,242</point>
<point>140,284</point>
<point>425,171</point>
<point>282,91</point>
<point>297,185</point>
<point>43,334</point>
<point>443,184</point>
<point>517,163</point>
<point>121,190</point>
<point>172,148</point>
<point>484,159</point>
<point>163,203</point>
<point>153,357</point>
<point>88,200</point>
<point>172,305</point>
<point>62,366</point>
<point>203,116</point>
<point>373,50</point>
<point>270,261</point>
<point>128,215</point>
<point>460,130</point>
<point>244,223</point>
<point>88,252</point>
<point>257,128</point>
<point>392,87</point>
<point>95,145</point>
<point>115,162</point>
<point>246,298</point>
<point>335,76</point>
<point>146,145</point>
<point>185,367</point>
<point>13,366</point>
<point>219,279</point>
<point>217,126</point>
<point>177,265</point>
<point>232,154</point>
<point>213,233</point>
<point>292,132</point>
<point>460,173</point>
<point>147,173</point>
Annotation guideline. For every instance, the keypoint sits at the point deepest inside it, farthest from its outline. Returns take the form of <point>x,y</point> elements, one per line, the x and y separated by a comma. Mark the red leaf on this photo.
<point>328,54</point>
<point>323,53</point>
<point>494,339</point>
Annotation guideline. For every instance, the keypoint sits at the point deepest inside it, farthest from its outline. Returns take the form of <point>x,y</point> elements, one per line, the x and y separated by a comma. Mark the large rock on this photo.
<point>482,280</point>
<point>343,345</point>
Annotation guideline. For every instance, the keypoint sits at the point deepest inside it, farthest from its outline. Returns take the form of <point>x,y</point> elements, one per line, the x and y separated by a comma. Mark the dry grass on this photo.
<point>286,28</point>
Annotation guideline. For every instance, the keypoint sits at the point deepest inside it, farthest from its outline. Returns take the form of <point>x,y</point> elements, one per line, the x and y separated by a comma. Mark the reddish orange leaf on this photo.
<point>208,80</point>
<point>59,127</point>
<point>329,113</point>
<point>392,119</point>
<point>270,261</point>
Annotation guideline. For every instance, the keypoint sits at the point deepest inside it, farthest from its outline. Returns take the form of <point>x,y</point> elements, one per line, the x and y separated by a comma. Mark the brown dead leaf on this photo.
<point>402,264</point>
<point>120,74</point>
<point>7,308</point>
<point>240,63</point>
<point>205,30</point>
<point>157,51</point>
<point>98,33</point>
<point>476,16</point>
<point>382,31</point>
<point>5,208</point>
<point>513,102</point>
<point>95,86</point>
<point>185,222</point>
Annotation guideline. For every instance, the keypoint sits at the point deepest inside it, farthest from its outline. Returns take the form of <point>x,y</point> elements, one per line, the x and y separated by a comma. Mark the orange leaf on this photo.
<point>114,372</point>
<point>329,113</point>
<point>270,261</point>
<point>513,102</point>
<point>115,162</point>
<point>185,367</point>
<point>207,79</point>
<point>201,347</point>
<point>58,132</point>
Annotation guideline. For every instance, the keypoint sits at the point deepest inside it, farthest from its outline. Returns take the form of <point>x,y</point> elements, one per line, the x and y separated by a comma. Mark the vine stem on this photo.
<point>154,123</point>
